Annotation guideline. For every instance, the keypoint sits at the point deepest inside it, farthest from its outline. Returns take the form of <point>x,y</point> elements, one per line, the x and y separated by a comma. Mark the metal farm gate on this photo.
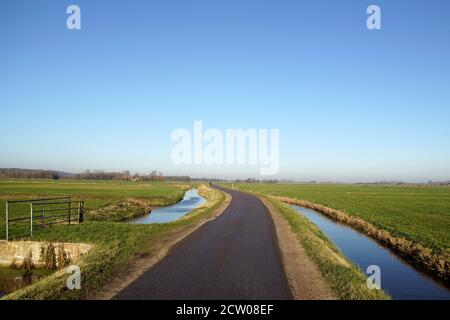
<point>23,217</point>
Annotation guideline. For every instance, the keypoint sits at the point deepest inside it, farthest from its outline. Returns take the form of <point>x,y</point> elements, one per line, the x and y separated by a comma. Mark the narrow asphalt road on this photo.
<point>232,257</point>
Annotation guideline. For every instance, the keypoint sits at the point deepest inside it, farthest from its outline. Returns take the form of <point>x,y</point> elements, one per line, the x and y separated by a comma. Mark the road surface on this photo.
<point>232,257</point>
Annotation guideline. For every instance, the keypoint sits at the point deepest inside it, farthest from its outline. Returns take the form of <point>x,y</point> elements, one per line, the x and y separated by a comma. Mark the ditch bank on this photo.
<point>131,208</point>
<point>424,259</point>
<point>191,201</point>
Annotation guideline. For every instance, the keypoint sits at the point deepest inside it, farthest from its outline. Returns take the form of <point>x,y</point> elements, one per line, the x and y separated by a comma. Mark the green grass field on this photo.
<point>96,194</point>
<point>417,213</point>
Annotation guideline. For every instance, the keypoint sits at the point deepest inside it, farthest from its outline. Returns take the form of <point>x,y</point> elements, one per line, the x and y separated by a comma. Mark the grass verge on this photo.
<point>345,279</point>
<point>116,245</point>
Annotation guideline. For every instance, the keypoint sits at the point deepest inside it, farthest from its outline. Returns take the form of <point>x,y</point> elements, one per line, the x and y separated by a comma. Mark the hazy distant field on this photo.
<point>419,213</point>
<point>95,193</point>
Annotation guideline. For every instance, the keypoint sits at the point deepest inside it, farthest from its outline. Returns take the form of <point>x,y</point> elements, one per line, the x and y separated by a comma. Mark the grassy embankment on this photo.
<point>8,273</point>
<point>104,200</point>
<point>412,220</point>
<point>116,244</point>
<point>345,279</point>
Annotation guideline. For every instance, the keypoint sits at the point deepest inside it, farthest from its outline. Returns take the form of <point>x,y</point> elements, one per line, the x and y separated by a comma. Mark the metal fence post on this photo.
<point>80,212</point>
<point>31,219</point>
<point>69,211</point>
<point>7,220</point>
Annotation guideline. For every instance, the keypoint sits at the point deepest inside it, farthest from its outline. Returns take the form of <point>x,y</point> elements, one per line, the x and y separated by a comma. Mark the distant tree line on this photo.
<point>28,174</point>
<point>253,180</point>
<point>208,179</point>
<point>88,175</point>
<point>126,175</point>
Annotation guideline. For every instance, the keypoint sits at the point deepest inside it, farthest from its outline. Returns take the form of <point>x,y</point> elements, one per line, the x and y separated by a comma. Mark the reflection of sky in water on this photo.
<point>190,201</point>
<point>398,278</point>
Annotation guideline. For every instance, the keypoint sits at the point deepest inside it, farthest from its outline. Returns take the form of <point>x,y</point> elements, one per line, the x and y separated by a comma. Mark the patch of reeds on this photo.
<point>54,258</point>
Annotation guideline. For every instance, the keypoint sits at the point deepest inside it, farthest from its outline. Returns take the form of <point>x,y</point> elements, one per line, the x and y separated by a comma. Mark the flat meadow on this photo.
<point>95,192</point>
<point>112,195</point>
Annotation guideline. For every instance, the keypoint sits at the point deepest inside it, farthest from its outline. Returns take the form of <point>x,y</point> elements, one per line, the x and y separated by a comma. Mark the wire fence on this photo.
<point>24,217</point>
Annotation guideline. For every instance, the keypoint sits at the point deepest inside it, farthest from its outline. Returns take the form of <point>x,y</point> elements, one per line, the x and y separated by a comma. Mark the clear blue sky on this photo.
<point>351,104</point>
